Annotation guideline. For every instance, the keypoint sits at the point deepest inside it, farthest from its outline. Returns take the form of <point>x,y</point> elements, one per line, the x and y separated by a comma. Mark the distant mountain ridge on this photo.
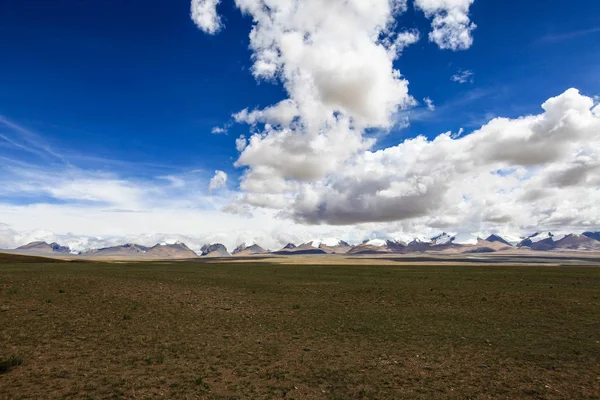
<point>243,250</point>
<point>176,250</point>
<point>44,248</point>
<point>592,235</point>
<point>578,242</point>
<point>442,243</point>
<point>542,241</point>
<point>495,238</point>
<point>117,251</point>
<point>214,250</point>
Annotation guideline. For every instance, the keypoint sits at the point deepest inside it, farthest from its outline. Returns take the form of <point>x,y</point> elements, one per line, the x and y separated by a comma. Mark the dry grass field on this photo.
<point>259,330</point>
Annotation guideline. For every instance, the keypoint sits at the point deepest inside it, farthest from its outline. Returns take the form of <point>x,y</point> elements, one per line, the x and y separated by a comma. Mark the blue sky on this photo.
<point>137,81</point>
<point>132,90</point>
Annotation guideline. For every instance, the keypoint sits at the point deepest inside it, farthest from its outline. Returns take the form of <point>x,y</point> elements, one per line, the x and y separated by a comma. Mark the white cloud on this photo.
<point>289,154</point>
<point>218,181</point>
<point>511,176</point>
<point>176,181</point>
<point>281,114</point>
<point>204,14</point>
<point>73,185</point>
<point>534,171</point>
<point>86,209</point>
<point>28,141</point>
<point>91,227</point>
<point>309,159</point>
<point>457,134</point>
<point>429,104</point>
<point>241,143</point>
<point>404,39</point>
<point>105,209</point>
<point>335,59</point>
<point>452,28</point>
<point>463,76</point>
<point>557,37</point>
<point>222,130</point>
<point>86,227</point>
<point>217,130</point>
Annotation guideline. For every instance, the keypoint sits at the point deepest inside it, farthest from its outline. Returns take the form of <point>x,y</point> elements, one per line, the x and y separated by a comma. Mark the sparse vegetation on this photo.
<point>9,363</point>
<point>220,331</point>
<point>155,358</point>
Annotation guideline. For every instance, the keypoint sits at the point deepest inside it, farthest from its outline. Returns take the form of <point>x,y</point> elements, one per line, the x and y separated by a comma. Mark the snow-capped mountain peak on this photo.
<point>314,243</point>
<point>329,242</point>
<point>332,242</point>
<point>377,242</point>
<point>421,239</point>
<point>466,238</point>
<point>442,239</point>
<point>539,236</point>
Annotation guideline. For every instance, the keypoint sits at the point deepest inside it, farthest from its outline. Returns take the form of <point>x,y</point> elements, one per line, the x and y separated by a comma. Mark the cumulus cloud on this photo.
<point>335,60</point>
<point>401,41</point>
<point>218,181</point>
<point>463,76</point>
<point>451,26</point>
<point>529,172</point>
<point>241,143</point>
<point>204,14</point>
<point>510,176</point>
<point>310,160</point>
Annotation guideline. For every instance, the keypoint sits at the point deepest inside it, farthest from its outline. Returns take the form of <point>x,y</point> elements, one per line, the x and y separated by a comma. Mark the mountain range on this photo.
<point>161,250</point>
<point>445,243</point>
<point>45,248</point>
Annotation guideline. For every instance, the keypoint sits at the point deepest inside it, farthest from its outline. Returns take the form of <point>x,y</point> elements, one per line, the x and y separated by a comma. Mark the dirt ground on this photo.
<point>258,330</point>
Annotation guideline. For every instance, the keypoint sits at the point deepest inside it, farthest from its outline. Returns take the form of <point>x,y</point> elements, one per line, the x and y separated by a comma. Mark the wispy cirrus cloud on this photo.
<point>52,177</point>
<point>27,140</point>
<point>19,140</point>
<point>111,190</point>
<point>560,36</point>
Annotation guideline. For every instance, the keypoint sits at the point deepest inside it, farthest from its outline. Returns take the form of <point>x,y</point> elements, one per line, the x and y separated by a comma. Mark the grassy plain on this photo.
<point>257,330</point>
